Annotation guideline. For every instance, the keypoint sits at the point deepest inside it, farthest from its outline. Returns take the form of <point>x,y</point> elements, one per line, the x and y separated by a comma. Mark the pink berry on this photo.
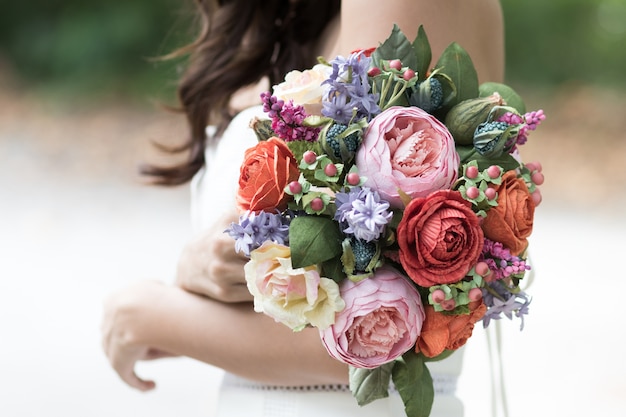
<point>493,171</point>
<point>448,305</point>
<point>309,157</point>
<point>534,166</point>
<point>490,193</point>
<point>374,71</point>
<point>471,172</point>
<point>537,178</point>
<point>353,179</point>
<point>438,296</point>
<point>317,204</point>
<point>475,294</point>
<point>482,268</point>
<point>330,170</point>
<point>473,192</point>
<point>395,64</point>
<point>536,195</point>
<point>408,74</point>
<point>295,187</point>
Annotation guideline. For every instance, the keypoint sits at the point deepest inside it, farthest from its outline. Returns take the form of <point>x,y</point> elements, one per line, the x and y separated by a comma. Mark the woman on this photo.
<point>247,47</point>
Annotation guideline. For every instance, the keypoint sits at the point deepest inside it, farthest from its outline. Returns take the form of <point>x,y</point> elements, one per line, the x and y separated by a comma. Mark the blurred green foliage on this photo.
<point>103,47</point>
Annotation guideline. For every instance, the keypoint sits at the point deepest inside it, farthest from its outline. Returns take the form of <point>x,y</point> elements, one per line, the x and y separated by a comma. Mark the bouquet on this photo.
<point>386,204</point>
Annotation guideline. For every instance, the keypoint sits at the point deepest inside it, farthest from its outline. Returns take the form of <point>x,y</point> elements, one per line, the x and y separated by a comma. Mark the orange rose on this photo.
<point>445,331</point>
<point>267,169</point>
<point>511,221</point>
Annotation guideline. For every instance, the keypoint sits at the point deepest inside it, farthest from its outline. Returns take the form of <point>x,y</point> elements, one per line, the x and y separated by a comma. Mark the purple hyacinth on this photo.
<point>362,213</point>
<point>255,228</point>
<point>500,301</point>
<point>350,90</point>
<point>529,122</point>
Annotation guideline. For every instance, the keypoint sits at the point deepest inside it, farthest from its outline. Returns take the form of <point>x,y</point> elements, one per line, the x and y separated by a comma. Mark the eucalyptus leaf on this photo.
<point>368,385</point>
<point>423,53</point>
<point>456,63</point>
<point>415,384</point>
<point>396,46</point>
<point>313,240</point>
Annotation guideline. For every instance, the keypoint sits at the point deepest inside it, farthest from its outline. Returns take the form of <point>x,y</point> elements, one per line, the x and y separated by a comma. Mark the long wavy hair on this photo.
<point>239,43</point>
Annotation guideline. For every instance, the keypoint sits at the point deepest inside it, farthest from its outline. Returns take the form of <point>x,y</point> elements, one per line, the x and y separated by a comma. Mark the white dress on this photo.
<point>243,398</point>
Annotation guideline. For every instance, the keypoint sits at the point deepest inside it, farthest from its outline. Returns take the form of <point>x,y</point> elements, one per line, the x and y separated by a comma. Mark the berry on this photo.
<point>490,193</point>
<point>395,64</point>
<point>309,157</point>
<point>408,74</point>
<point>295,187</point>
<point>537,178</point>
<point>471,172</point>
<point>493,171</point>
<point>475,294</point>
<point>436,92</point>
<point>448,305</point>
<point>353,179</point>
<point>317,204</point>
<point>472,192</point>
<point>482,268</point>
<point>438,296</point>
<point>330,170</point>
<point>536,195</point>
<point>374,71</point>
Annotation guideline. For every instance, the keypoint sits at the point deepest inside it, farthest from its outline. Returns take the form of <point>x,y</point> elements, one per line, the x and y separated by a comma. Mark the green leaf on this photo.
<point>468,153</point>
<point>415,385</point>
<point>396,46</point>
<point>424,55</point>
<point>333,269</point>
<point>368,385</point>
<point>457,64</point>
<point>313,240</point>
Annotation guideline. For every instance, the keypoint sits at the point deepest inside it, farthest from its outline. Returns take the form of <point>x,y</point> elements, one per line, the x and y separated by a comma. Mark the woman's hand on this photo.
<point>121,334</point>
<point>210,266</point>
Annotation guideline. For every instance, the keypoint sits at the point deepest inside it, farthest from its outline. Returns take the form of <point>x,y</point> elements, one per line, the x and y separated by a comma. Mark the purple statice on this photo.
<point>500,301</point>
<point>362,213</point>
<point>501,262</point>
<point>287,119</point>
<point>255,228</point>
<point>349,94</point>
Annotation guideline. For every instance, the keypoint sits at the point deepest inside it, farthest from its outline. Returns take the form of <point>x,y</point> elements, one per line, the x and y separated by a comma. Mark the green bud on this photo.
<point>463,119</point>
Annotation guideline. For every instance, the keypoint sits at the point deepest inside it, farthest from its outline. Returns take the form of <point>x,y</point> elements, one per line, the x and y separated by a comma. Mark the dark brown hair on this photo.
<point>239,43</point>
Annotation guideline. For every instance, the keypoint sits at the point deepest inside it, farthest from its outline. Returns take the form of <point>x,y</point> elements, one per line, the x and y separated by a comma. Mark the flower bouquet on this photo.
<point>386,204</point>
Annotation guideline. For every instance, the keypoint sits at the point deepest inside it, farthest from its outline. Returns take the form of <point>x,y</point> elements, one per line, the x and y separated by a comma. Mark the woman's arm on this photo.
<point>150,320</point>
<point>477,25</point>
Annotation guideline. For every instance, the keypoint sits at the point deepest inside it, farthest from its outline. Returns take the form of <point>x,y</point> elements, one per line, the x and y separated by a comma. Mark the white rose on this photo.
<point>304,87</point>
<point>294,297</point>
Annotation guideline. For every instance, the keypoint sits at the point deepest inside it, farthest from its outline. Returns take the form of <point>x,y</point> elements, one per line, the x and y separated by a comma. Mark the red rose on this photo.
<point>266,170</point>
<point>511,221</point>
<point>447,332</point>
<point>440,238</point>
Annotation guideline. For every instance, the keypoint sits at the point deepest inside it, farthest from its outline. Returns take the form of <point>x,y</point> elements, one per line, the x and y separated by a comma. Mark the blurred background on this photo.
<point>79,107</point>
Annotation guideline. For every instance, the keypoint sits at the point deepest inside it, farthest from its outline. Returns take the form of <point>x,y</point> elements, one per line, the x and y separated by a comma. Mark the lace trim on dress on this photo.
<point>443,385</point>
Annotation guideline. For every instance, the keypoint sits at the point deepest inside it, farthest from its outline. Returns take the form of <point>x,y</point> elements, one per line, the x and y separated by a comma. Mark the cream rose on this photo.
<point>304,87</point>
<point>294,297</point>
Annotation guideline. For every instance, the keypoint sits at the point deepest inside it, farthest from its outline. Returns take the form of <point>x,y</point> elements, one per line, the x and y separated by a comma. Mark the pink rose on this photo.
<point>382,320</point>
<point>405,148</point>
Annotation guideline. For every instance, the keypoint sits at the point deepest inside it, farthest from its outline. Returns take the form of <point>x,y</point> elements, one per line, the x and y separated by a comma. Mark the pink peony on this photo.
<point>407,149</point>
<point>382,320</point>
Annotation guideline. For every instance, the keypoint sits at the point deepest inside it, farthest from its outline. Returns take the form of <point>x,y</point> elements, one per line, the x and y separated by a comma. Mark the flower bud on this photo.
<point>463,119</point>
<point>494,139</point>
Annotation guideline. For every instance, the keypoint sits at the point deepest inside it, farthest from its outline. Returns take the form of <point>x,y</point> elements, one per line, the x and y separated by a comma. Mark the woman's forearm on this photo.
<point>233,337</point>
